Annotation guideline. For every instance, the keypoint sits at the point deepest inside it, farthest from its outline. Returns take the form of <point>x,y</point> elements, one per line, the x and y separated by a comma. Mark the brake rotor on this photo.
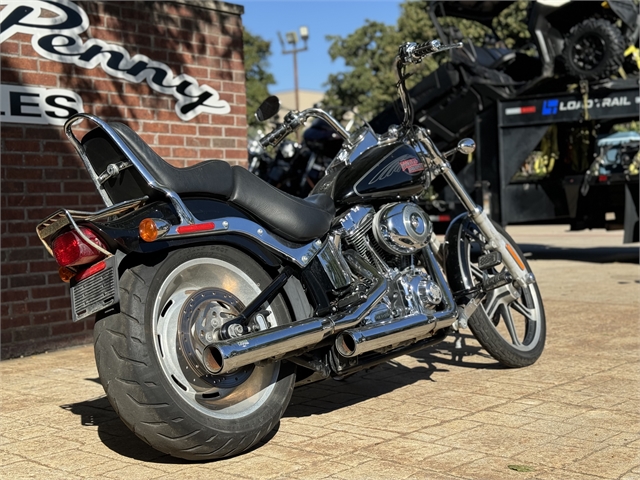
<point>201,317</point>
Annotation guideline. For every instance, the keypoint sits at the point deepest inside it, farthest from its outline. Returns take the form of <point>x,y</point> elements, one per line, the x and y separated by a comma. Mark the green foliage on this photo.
<point>368,52</point>
<point>258,79</point>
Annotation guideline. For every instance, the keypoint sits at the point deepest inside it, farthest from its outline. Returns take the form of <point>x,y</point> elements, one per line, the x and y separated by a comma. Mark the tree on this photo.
<point>258,79</point>
<point>368,52</point>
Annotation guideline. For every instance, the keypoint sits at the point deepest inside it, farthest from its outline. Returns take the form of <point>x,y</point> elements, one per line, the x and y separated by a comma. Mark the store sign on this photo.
<point>42,106</point>
<point>55,35</point>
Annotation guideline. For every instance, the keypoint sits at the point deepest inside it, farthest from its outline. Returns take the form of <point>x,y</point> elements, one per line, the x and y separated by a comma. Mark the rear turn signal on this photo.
<point>148,230</point>
<point>66,274</point>
<point>70,249</point>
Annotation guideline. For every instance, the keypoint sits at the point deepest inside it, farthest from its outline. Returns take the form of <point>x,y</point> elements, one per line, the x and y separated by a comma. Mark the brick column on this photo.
<point>41,171</point>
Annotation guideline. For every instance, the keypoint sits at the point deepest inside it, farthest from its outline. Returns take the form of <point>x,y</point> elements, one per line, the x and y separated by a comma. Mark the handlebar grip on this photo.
<point>275,137</point>
<point>426,48</point>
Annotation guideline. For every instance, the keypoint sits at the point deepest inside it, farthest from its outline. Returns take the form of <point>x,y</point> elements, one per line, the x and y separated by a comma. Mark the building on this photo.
<point>173,71</point>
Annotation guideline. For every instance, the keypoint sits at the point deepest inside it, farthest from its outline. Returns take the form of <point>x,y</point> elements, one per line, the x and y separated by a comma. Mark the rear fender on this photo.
<point>122,233</point>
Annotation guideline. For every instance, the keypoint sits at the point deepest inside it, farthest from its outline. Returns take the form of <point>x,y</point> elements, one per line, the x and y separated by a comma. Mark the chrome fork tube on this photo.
<point>495,240</point>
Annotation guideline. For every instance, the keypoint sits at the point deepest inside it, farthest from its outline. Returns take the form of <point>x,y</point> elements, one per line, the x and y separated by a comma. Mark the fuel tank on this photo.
<point>388,172</point>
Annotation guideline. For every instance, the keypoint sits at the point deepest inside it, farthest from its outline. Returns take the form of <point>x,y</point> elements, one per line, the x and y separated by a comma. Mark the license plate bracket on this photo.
<point>95,293</point>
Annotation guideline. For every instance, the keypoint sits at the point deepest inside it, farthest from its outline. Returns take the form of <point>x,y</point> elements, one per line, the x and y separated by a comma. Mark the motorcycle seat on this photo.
<point>296,219</point>
<point>211,177</point>
<point>293,218</point>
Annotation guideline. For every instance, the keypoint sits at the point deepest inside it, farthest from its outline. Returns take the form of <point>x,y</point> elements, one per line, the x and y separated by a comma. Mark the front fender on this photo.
<point>456,257</point>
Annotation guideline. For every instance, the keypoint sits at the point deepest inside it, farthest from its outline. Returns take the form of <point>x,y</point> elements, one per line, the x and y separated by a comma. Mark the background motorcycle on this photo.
<point>216,293</point>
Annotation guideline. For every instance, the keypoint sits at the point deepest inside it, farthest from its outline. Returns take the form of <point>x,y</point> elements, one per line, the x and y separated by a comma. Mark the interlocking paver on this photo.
<point>449,412</point>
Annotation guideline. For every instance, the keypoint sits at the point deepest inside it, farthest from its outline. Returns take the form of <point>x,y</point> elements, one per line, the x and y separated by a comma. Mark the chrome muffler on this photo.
<point>379,335</point>
<point>222,357</point>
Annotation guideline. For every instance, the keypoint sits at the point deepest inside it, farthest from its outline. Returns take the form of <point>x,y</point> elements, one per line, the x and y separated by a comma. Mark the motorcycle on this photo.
<point>215,293</point>
<point>296,168</point>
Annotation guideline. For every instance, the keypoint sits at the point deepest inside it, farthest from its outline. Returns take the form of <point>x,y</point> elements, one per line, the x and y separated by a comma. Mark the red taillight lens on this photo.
<point>92,270</point>
<point>70,249</point>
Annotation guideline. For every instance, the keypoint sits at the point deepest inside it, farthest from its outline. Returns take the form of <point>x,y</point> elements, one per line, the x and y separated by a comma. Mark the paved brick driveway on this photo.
<point>445,413</point>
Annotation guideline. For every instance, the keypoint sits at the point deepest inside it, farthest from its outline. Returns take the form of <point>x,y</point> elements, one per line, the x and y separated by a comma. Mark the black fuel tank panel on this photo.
<point>384,172</point>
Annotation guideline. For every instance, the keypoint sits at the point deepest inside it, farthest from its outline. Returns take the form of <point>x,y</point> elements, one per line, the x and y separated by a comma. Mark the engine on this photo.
<point>389,239</point>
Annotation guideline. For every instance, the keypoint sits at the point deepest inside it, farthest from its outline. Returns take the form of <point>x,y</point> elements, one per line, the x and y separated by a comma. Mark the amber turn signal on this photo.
<point>66,274</point>
<point>148,230</point>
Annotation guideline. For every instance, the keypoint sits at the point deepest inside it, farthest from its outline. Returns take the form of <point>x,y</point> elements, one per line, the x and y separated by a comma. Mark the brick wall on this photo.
<point>41,172</point>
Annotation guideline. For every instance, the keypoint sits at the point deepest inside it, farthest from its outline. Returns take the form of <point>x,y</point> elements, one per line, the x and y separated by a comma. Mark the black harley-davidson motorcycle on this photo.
<point>215,293</point>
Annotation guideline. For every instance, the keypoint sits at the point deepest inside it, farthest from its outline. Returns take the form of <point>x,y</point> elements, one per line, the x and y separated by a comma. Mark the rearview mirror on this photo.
<point>268,108</point>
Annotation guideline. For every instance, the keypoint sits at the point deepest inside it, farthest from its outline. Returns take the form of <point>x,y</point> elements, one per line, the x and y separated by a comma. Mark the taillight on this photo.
<point>70,249</point>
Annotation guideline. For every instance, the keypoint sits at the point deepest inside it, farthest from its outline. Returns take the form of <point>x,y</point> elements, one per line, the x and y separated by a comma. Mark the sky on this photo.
<point>323,17</point>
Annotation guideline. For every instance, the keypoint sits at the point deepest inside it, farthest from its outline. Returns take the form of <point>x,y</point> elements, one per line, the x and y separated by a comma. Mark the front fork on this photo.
<point>496,242</point>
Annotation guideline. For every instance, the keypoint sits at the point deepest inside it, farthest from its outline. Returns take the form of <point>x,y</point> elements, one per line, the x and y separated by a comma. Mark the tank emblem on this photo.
<point>411,165</point>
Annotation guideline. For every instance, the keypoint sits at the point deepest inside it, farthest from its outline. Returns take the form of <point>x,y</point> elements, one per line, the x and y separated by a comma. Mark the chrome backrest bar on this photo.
<point>186,217</point>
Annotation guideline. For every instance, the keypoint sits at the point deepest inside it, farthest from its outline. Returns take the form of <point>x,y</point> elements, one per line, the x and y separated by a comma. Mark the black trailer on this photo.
<point>514,191</point>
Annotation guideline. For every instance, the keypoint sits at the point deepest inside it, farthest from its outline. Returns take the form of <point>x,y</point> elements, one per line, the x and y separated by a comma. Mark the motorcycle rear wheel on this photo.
<point>149,355</point>
<point>510,324</point>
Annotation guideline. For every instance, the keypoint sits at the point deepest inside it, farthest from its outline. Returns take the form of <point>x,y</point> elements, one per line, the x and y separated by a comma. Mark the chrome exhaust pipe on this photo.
<point>222,357</point>
<point>379,335</point>
<point>374,336</point>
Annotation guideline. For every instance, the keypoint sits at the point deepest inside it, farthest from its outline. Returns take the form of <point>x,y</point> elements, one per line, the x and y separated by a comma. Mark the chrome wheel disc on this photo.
<point>515,313</point>
<point>193,302</point>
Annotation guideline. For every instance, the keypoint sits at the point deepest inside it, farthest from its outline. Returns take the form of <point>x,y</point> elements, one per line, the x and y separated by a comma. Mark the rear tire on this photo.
<point>149,355</point>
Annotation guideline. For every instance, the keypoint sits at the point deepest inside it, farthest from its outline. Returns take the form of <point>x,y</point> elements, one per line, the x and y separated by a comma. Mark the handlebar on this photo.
<point>411,52</point>
<point>276,136</point>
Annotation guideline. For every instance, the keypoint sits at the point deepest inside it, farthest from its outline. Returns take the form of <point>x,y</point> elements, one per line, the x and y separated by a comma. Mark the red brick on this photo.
<point>210,153</point>
<point>235,132</point>
<point>41,160</point>
<point>60,303</point>
<point>14,321</point>
<point>12,132</point>
<point>22,146</point>
<point>71,187</point>
<point>12,241</point>
<point>183,129</point>
<point>12,186</point>
<point>53,67</point>
<point>9,47</point>
<point>22,173</point>
<point>12,268</point>
<point>171,140</point>
<point>39,79</point>
<point>43,187</point>
<point>23,200</point>
<point>58,147</point>
<point>155,127</point>
<point>15,296</point>
<point>20,63</point>
<point>48,292</point>
<point>108,86</point>
<point>11,214</point>
<point>180,152</point>
<point>239,154</point>
<point>60,201</point>
<point>67,328</point>
<point>61,173</point>
<point>44,132</point>
<point>48,265</point>
<point>209,131</point>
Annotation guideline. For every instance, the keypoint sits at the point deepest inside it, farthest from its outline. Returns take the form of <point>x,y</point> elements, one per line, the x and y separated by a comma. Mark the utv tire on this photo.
<point>594,49</point>
<point>149,361</point>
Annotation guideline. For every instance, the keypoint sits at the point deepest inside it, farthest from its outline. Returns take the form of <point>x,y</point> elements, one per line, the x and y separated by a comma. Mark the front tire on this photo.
<point>149,355</point>
<point>510,324</point>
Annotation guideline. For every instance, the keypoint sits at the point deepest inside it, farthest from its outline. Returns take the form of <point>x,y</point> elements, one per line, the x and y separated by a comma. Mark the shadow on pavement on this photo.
<point>314,399</point>
<point>591,254</point>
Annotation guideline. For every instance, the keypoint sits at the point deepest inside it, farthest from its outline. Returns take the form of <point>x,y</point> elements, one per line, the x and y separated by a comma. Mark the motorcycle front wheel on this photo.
<point>149,355</point>
<point>510,324</point>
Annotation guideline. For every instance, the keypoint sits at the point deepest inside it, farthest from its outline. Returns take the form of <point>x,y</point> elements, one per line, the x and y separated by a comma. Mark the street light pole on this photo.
<point>292,39</point>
